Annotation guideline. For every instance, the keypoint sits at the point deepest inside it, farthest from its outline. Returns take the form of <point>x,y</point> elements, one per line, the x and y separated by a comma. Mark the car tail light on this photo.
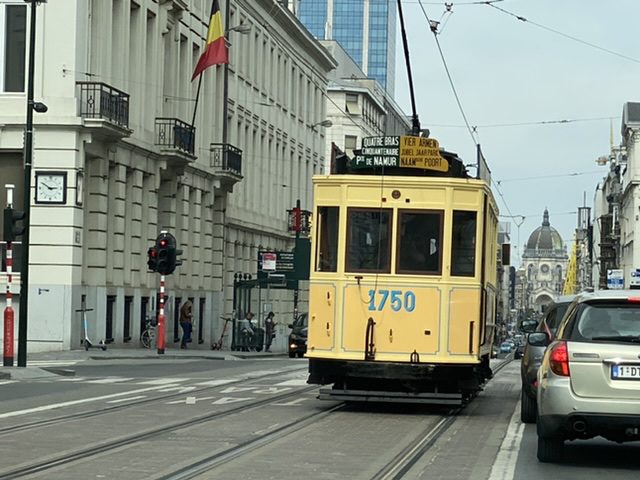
<point>559,359</point>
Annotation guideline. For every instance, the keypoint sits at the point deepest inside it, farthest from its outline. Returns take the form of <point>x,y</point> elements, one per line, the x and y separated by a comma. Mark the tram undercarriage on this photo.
<point>374,381</point>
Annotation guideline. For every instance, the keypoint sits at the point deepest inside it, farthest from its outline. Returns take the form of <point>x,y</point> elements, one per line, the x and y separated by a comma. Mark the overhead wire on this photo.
<point>522,124</point>
<point>562,34</point>
<point>446,68</point>
<point>571,174</point>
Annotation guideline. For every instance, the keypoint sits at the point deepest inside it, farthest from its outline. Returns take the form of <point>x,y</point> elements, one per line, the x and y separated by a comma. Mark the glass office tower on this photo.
<point>366,29</point>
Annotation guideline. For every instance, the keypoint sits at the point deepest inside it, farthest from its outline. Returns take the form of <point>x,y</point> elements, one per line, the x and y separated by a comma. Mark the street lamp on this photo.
<point>325,123</point>
<point>28,160</point>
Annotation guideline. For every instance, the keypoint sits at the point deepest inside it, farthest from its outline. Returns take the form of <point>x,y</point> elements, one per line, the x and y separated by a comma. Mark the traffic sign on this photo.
<point>615,279</point>
<point>403,151</point>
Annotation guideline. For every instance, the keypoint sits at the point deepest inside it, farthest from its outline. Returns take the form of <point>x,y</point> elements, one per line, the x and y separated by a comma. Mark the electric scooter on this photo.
<point>86,341</point>
<point>218,345</point>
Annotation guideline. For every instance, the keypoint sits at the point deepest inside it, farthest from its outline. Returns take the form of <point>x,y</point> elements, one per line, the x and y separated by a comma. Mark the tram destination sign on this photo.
<point>400,151</point>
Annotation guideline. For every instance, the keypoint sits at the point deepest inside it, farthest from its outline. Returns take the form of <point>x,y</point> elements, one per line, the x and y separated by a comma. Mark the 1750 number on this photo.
<point>397,299</point>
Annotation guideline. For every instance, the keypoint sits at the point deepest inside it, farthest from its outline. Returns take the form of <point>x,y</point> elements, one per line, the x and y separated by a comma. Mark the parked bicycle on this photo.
<point>148,335</point>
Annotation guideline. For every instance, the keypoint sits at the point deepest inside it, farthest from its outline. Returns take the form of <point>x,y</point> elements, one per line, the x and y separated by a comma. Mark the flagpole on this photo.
<point>195,108</point>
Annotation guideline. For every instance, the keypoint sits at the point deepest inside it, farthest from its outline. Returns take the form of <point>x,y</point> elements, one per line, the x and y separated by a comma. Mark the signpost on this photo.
<point>615,279</point>
<point>634,279</point>
<point>403,151</point>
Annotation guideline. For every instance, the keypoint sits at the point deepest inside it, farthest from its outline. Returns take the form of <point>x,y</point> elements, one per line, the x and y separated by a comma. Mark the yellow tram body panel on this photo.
<point>440,317</point>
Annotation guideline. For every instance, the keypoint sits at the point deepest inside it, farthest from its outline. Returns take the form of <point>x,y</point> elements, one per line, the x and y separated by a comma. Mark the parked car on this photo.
<point>505,347</point>
<point>589,380</point>
<point>519,351</point>
<point>298,336</point>
<point>532,355</point>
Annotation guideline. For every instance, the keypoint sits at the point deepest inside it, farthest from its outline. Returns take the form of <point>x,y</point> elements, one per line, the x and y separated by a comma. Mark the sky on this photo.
<point>507,71</point>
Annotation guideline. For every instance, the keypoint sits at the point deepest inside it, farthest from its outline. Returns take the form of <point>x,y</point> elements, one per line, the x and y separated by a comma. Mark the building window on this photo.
<point>327,235</point>
<point>351,103</point>
<point>350,144</point>
<point>13,36</point>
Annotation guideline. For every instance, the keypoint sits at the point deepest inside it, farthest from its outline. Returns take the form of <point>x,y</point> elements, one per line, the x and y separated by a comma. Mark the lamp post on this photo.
<point>28,160</point>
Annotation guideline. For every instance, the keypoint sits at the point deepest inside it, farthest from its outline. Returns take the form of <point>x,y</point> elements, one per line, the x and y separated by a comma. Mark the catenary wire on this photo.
<point>523,124</point>
<point>446,68</point>
<point>571,174</point>
<point>562,34</point>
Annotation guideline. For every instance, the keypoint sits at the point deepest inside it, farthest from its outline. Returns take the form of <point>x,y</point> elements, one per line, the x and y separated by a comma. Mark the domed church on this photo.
<point>544,261</point>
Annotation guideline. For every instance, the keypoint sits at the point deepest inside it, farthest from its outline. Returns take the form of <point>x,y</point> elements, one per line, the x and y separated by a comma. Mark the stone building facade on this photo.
<point>120,134</point>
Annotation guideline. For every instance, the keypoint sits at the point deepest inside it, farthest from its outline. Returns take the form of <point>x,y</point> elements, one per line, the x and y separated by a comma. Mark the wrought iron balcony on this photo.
<point>226,161</point>
<point>104,106</point>
<point>175,137</point>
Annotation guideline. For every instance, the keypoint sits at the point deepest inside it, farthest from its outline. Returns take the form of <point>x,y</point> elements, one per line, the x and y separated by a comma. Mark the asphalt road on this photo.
<point>484,441</point>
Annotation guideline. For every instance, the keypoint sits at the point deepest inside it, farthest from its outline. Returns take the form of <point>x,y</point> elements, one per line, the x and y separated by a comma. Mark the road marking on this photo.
<point>226,400</point>
<point>50,363</point>
<point>110,380</point>
<point>216,383</point>
<point>296,382</point>
<point>189,400</point>
<point>292,403</point>
<point>163,381</point>
<point>72,379</point>
<point>176,388</point>
<point>120,400</point>
<point>504,466</point>
<point>237,389</point>
<point>7,382</point>
<point>53,406</point>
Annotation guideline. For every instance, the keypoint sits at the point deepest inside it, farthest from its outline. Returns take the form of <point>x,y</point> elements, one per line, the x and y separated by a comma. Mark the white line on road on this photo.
<point>296,382</point>
<point>163,381</point>
<point>53,406</point>
<point>128,399</point>
<point>217,383</point>
<point>110,380</point>
<point>7,382</point>
<point>504,467</point>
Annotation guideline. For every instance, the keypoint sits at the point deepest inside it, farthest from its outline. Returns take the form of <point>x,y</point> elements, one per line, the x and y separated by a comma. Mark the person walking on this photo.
<point>245,327</point>
<point>186,315</point>
<point>270,332</point>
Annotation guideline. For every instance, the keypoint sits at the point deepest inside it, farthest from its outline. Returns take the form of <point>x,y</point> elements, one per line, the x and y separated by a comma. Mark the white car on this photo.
<point>589,380</point>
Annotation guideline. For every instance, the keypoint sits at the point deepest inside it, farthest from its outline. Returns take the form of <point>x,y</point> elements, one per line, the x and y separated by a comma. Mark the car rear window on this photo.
<point>618,322</point>
<point>552,320</point>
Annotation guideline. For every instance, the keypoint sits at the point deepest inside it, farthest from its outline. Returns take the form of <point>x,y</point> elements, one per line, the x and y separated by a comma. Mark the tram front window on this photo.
<point>327,234</point>
<point>419,242</point>
<point>368,240</point>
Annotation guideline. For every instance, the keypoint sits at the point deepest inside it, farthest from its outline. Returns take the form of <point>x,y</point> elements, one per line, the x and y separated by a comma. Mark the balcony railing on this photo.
<point>175,134</point>
<point>16,254</point>
<point>103,102</point>
<point>227,158</point>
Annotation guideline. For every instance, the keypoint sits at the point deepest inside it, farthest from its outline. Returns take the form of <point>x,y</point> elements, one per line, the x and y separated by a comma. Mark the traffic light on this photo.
<point>11,228</point>
<point>152,259</point>
<point>167,254</point>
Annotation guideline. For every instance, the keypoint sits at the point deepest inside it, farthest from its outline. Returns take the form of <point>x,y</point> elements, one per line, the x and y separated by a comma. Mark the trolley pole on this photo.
<point>160,326</point>
<point>9,324</point>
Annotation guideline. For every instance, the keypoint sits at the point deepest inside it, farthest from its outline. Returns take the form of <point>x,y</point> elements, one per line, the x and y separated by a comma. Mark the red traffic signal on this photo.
<point>152,259</point>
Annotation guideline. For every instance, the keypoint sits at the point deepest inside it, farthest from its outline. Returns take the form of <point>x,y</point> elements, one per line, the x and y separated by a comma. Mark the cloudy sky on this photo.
<point>507,72</point>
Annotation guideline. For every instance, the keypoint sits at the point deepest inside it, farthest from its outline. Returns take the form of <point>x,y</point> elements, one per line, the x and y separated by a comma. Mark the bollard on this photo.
<point>160,326</point>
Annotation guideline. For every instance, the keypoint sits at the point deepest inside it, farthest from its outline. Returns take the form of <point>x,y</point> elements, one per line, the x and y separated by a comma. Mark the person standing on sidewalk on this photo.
<point>186,315</point>
<point>270,332</point>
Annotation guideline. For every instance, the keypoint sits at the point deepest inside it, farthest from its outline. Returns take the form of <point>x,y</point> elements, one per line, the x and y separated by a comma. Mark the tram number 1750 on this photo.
<point>396,299</point>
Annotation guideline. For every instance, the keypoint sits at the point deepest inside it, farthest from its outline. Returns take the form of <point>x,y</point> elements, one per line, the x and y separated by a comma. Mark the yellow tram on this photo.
<point>402,293</point>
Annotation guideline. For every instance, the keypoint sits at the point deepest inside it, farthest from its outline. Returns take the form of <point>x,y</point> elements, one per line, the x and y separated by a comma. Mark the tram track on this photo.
<point>122,406</point>
<point>402,463</point>
<point>85,453</point>
<point>395,469</point>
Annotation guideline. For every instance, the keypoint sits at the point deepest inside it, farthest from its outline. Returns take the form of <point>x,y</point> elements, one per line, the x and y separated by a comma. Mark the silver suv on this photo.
<point>589,380</point>
<point>532,355</point>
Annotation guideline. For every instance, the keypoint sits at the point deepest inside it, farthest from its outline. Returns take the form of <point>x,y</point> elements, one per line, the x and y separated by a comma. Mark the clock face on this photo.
<point>51,187</point>
<point>544,268</point>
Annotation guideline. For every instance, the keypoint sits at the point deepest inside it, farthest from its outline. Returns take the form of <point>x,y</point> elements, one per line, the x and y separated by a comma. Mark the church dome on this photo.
<point>545,237</point>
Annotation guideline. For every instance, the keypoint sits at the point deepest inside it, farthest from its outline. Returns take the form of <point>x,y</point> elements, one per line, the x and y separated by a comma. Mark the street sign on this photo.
<point>403,151</point>
<point>634,279</point>
<point>269,261</point>
<point>615,279</point>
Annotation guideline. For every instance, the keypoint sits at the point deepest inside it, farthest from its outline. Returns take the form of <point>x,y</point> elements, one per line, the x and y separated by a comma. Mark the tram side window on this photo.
<point>419,242</point>
<point>368,240</point>
<point>463,248</point>
<point>327,234</point>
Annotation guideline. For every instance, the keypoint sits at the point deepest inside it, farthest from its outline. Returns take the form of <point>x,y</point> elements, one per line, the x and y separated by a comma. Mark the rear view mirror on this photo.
<point>538,339</point>
<point>528,326</point>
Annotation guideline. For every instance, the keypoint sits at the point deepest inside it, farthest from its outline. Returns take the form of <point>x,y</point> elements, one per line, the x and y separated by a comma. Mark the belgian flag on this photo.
<point>215,52</point>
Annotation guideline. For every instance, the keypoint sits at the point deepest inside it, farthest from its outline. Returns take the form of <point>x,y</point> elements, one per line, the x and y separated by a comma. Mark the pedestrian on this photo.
<point>186,315</point>
<point>270,331</point>
<point>246,329</point>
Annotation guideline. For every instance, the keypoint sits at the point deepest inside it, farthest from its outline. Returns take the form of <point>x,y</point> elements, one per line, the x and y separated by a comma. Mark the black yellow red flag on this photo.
<point>216,51</point>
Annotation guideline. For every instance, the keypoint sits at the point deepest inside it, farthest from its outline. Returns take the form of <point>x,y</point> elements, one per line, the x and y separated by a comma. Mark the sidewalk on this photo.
<point>34,371</point>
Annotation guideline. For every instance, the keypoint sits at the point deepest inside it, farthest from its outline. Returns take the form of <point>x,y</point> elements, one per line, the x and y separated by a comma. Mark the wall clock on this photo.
<point>51,187</point>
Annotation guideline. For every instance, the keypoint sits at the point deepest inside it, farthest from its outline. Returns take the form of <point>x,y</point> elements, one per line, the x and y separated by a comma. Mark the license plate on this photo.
<point>625,372</point>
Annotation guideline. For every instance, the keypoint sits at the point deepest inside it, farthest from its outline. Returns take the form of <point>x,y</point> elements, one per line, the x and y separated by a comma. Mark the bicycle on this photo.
<point>148,335</point>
